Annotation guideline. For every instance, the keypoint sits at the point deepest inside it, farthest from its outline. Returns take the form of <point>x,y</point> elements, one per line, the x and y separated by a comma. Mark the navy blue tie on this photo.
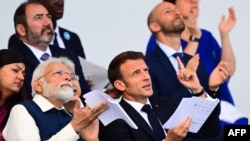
<point>154,122</point>
<point>55,40</point>
<point>180,55</point>
<point>45,57</point>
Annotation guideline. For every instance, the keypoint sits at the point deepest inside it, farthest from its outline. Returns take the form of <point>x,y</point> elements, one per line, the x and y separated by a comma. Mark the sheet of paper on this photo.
<point>114,112</point>
<point>197,108</point>
<point>230,113</point>
<point>97,73</point>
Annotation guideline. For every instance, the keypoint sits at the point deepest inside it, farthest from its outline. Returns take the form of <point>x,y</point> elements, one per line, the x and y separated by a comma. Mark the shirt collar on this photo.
<point>45,105</point>
<point>57,30</point>
<point>38,53</point>
<point>136,105</point>
<point>168,50</point>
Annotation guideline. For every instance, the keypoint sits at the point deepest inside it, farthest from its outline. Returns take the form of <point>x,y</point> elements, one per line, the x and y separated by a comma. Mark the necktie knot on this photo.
<point>147,108</point>
<point>178,54</point>
<point>45,57</point>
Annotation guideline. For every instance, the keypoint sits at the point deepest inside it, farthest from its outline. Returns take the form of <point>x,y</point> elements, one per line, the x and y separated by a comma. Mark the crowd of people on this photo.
<point>42,80</point>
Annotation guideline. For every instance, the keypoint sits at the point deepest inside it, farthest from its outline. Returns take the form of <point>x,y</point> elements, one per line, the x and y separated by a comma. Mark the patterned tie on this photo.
<point>45,57</point>
<point>55,40</point>
<point>154,122</point>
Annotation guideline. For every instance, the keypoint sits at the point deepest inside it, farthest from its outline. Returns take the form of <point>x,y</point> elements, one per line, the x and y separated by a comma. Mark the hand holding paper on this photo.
<point>114,112</point>
<point>197,108</point>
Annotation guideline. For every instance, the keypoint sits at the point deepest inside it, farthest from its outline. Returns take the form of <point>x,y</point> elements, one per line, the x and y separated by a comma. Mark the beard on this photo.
<point>64,93</point>
<point>173,28</point>
<point>43,38</point>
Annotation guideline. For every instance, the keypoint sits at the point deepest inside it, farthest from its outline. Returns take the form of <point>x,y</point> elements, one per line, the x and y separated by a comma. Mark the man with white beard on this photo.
<point>45,117</point>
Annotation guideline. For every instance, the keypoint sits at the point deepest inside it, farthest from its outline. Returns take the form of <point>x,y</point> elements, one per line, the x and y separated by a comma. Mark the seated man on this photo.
<point>64,38</point>
<point>129,75</point>
<point>34,28</point>
<point>44,117</point>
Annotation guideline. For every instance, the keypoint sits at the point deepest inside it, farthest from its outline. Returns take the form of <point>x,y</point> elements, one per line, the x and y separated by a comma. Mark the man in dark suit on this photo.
<point>166,24</point>
<point>65,38</point>
<point>128,73</point>
<point>34,28</point>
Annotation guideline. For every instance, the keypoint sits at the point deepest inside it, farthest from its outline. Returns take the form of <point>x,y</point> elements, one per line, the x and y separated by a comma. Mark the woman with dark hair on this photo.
<point>12,71</point>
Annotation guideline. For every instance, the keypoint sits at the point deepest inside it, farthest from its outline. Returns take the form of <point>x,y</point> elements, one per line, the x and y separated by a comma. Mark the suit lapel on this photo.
<point>31,58</point>
<point>164,60</point>
<point>136,117</point>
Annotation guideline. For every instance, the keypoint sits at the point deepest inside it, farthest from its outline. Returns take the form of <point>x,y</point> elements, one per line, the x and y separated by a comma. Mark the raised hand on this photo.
<point>188,78</point>
<point>191,22</point>
<point>85,120</point>
<point>193,63</point>
<point>219,75</point>
<point>225,25</point>
<point>179,132</point>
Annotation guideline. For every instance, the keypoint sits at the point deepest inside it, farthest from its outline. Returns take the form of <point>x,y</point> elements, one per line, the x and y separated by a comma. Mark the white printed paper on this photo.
<point>114,112</point>
<point>229,113</point>
<point>97,73</point>
<point>197,108</point>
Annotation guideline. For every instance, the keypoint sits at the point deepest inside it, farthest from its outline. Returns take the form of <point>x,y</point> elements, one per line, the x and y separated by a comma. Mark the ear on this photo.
<point>20,29</point>
<point>154,27</point>
<point>37,85</point>
<point>119,85</point>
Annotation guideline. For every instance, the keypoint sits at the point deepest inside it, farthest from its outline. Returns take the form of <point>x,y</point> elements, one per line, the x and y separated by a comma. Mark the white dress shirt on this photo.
<point>22,127</point>
<point>59,38</point>
<point>138,106</point>
<point>168,51</point>
<point>38,53</point>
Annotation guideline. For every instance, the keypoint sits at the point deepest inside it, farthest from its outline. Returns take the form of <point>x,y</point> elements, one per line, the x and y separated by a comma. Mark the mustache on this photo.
<point>66,84</point>
<point>178,18</point>
<point>47,28</point>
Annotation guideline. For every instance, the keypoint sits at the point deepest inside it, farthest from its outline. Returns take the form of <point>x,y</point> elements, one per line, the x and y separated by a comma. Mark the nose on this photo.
<point>177,12</point>
<point>47,20</point>
<point>20,76</point>
<point>68,76</point>
<point>146,75</point>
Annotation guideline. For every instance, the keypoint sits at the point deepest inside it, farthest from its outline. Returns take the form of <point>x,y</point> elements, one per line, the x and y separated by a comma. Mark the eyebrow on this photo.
<point>41,15</point>
<point>18,66</point>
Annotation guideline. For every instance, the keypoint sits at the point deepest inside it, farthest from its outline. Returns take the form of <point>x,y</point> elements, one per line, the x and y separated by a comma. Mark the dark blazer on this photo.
<point>164,78</point>
<point>72,42</point>
<point>119,130</point>
<point>166,84</point>
<point>70,39</point>
<point>164,107</point>
<point>32,62</point>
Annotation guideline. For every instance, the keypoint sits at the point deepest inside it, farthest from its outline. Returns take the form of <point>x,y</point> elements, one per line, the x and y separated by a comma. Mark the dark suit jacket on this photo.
<point>73,43</point>
<point>70,39</point>
<point>32,62</point>
<point>119,130</point>
<point>164,78</point>
<point>164,107</point>
<point>166,84</point>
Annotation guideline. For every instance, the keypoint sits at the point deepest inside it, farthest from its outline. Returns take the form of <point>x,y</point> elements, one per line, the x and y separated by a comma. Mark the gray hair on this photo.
<point>39,71</point>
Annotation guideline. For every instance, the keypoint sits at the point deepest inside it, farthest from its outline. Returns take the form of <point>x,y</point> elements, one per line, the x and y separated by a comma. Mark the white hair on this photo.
<point>39,71</point>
